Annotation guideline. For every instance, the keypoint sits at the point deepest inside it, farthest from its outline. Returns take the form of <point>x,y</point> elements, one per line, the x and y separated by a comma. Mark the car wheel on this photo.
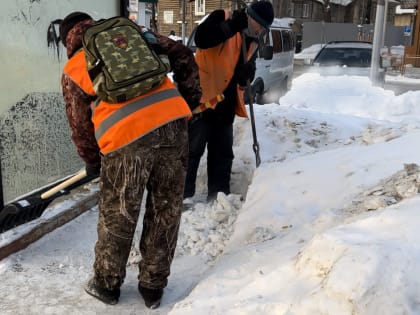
<point>260,99</point>
<point>258,90</point>
<point>284,86</point>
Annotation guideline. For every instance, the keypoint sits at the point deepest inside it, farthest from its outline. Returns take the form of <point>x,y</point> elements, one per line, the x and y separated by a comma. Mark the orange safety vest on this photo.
<point>117,125</point>
<point>216,68</point>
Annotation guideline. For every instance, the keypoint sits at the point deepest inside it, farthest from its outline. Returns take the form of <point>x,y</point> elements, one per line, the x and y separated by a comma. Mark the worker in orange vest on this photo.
<point>223,74</point>
<point>136,145</point>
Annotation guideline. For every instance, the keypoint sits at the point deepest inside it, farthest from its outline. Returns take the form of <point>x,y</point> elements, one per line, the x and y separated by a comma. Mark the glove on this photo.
<point>239,21</point>
<point>244,72</point>
<point>93,170</point>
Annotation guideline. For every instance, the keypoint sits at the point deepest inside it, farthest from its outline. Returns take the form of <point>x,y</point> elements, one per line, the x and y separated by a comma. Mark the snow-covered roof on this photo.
<point>349,44</point>
<point>283,22</point>
<point>338,2</point>
<point>400,10</point>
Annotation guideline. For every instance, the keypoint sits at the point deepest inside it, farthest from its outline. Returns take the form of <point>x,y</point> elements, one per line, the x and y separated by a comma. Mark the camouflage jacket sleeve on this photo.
<point>185,69</point>
<point>79,117</point>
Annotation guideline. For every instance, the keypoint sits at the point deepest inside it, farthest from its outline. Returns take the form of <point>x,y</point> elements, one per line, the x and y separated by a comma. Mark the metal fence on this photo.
<point>321,33</point>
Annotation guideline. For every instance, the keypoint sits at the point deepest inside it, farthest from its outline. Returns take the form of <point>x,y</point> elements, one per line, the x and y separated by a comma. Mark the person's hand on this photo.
<point>244,72</point>
<point>93,170</point>
<point>239,20</point>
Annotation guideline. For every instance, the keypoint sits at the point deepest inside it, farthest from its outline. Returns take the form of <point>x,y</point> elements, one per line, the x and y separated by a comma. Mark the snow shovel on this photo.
<point>255,145</point>
<point>33,205</point>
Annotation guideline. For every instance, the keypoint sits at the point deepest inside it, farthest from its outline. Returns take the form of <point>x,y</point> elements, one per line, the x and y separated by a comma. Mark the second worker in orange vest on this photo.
<point>223,71</point>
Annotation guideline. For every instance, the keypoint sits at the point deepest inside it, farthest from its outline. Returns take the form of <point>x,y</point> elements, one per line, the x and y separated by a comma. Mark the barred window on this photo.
<point>200,7</point>
<point>305,10</point>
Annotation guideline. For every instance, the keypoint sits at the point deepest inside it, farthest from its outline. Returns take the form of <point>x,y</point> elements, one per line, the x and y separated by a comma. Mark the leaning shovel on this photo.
<point>255,145</point>
<point>32,206</point>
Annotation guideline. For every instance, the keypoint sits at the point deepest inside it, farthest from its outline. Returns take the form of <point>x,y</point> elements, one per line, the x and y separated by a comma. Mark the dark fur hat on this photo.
<point>69,21</point>
<point>262,12</point>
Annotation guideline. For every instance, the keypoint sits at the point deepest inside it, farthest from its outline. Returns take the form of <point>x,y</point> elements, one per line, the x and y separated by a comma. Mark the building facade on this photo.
<point>170,14</point>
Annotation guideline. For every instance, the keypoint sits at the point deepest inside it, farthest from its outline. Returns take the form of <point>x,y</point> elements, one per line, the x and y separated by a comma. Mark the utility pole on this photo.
<point>385,21</point>
<point>377,41</point>
<point>183,25</point>
<point>417,33</point>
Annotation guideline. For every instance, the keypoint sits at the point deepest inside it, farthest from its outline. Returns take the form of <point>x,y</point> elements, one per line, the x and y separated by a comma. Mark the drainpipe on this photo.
<point>183,21</point>
<point>385,20</point>
<point>1,190</point>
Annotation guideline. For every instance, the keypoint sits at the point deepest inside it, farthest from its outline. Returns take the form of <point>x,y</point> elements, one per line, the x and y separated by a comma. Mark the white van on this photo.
<point>273,76</point>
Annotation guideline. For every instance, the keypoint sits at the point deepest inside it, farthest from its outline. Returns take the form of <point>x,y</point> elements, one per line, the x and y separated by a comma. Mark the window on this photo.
<point>277,45</point>
<point>264,41</point>
<point>305,10</point>
<point>287,37</point>
<point>200,7</point>
<point>301,9</point>
<point>168,17</point>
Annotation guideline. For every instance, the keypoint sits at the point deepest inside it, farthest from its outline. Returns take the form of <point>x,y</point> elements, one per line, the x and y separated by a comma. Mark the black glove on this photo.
<point>244,72</point>
<point>93,170</point>
<point>239,21</point>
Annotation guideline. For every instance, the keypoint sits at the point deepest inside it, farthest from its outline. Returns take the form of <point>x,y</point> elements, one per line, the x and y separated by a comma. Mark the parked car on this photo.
<point>274,62</point>
<point>273,77</point>
<point>344,57</point>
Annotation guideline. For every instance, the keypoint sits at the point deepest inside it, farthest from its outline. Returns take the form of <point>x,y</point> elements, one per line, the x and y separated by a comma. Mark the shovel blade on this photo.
<point>32,207</point>
<point>20,212</point>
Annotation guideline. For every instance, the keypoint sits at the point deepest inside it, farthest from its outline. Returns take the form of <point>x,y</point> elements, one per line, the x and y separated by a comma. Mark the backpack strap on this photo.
<point>96,69</point>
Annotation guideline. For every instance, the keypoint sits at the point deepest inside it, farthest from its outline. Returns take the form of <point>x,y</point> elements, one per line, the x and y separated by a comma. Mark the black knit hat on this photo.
<point>262,12</point>
<point>69,21</point>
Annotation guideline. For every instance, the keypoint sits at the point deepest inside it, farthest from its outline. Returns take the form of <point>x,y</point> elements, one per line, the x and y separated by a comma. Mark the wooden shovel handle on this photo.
<point>65,184</point>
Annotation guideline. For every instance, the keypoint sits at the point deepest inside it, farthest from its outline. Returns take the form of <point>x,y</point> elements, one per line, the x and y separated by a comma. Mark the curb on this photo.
<point>41,226</point>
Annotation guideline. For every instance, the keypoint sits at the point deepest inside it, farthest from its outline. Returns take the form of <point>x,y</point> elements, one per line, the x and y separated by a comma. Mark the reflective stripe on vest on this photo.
<point>117,125</point>
<point>130,108</point>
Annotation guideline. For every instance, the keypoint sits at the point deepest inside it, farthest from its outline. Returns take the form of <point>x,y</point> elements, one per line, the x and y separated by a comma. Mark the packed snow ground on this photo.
<point>328,223</point>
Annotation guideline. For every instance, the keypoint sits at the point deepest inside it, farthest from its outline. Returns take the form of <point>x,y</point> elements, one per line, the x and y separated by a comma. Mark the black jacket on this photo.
<point>210,33</point>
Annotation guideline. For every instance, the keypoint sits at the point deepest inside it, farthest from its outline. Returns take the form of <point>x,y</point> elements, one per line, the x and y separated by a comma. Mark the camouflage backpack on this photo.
<point>120,60</point>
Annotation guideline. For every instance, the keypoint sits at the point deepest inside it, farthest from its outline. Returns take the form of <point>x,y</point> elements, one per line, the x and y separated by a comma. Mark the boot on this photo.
<point>102,294</point>
<point>151,297</point>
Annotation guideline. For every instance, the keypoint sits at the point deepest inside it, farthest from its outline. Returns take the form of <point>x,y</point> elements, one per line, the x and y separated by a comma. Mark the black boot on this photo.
<point>151,297</point>
<point>102,294</point>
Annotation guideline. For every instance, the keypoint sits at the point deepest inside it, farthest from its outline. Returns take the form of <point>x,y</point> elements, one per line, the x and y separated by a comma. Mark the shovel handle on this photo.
<point>65,184</point>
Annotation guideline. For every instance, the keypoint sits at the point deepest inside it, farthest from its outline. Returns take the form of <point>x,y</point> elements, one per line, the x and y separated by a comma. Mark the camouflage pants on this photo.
<point>156,162</point>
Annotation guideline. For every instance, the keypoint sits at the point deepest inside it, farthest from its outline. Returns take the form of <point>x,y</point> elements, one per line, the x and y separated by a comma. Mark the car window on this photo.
<point>264,41</point>
<point>287,40</point>
<point>277,43</point>
<point>351,57</point>
<point>191,41</point>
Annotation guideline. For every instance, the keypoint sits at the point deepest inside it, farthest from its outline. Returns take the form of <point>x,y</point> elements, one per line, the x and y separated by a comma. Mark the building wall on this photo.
<point>337,13</point>
<point>403,20</point>
<point>35,145</point>
<point>170,14</point>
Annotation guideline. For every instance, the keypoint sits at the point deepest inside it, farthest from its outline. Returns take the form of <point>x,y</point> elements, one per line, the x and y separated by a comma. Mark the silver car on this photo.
<point>344,57</point>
